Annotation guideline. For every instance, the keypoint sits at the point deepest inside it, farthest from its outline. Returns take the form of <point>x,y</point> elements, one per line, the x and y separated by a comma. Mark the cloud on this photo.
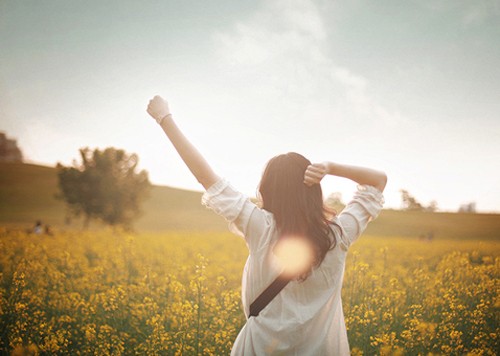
<point>476,12</point>
<point>470,13</point>
<point>280,54</point>
<point>278,29</point>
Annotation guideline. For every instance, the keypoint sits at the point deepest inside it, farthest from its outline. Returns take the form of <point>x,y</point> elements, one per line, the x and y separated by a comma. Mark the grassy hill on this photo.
<point>27,193</point>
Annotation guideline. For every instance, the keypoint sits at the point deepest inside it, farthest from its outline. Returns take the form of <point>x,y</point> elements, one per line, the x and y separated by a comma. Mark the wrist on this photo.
<point>331,168</point>
<point>163,118</point>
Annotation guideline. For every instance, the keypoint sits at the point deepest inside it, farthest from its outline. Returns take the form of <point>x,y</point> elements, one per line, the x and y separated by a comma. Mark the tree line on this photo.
<point>107,186</point>
<point>410,203</point>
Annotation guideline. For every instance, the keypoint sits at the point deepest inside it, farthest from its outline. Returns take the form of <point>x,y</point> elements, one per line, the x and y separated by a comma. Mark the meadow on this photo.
<point>110,293</point>
<point>170,290</point>
<point>28,193</point>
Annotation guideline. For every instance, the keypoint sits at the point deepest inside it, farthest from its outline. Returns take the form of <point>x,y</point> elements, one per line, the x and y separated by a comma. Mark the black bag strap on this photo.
<point>268,294</point>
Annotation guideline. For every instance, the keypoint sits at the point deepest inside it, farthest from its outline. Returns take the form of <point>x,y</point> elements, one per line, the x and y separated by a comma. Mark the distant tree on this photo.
<point>9,151</point>
<point>408,202</point>
<point>468,208</point>
<point>432,207</point>
<point>334,202</point>
<point>104,186</point>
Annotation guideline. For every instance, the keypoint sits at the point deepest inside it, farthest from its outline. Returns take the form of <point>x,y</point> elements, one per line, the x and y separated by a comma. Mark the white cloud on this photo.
<point>283,31</point>
<point>476,12</point>
<point>470,13</point>
<point>280,55</point>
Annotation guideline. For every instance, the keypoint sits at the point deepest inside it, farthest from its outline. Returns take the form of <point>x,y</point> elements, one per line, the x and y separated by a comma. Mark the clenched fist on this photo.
<point>158,108</point>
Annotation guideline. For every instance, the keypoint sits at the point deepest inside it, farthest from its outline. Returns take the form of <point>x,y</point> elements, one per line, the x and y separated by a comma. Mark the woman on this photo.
<point>305,317</point>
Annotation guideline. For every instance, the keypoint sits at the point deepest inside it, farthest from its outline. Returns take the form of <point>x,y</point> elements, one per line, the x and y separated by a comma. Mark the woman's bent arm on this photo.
<point>361,175</point>
<point>199,167</point>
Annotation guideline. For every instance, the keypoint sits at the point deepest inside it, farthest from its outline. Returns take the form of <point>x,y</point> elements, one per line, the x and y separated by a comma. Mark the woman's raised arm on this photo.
<point>361,175</point>
<point>159,110</point>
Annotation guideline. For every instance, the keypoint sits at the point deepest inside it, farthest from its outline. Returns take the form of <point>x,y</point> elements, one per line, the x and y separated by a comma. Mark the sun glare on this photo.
<point>295,254</point>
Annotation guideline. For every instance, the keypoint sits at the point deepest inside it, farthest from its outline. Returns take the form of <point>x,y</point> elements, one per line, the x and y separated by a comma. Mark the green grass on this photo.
<point>460,226</point>
<point>176,209</point>
<point>27,193</point>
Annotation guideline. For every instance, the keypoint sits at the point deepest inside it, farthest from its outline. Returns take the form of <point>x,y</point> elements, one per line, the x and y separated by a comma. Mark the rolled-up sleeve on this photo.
<point>364,207</point>
<point>234,206</point>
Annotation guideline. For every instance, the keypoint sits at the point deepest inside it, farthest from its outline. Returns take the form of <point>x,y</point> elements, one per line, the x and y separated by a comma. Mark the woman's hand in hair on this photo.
<point>315,173</point>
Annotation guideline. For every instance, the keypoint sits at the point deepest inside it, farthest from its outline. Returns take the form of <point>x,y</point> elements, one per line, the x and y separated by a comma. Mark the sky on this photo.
<point>411,88</point>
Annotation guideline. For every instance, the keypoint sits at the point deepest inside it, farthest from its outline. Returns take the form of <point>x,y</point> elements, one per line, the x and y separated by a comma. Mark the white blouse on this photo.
<point>305,318</point>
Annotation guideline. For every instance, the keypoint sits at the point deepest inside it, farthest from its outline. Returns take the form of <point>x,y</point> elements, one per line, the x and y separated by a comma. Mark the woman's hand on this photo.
<point>158,108</point>
<point>315,173</point>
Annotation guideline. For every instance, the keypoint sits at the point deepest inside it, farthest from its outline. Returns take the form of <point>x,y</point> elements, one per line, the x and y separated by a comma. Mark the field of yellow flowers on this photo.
<point>107,293</point>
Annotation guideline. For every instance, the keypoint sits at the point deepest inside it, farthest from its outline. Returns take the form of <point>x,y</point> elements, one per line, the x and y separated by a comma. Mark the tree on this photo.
<point>104,186</point>
<point>408,202</point>
<point>334,202</point>
<point>432,207</point>
<point>468,208</point>
<point>9,151</point>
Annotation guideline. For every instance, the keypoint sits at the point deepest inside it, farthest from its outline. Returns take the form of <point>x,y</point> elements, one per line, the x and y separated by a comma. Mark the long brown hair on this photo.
<point>298,209</point>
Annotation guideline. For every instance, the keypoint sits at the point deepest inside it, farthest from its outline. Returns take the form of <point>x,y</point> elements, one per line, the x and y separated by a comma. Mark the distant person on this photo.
<point>48,230</point>
<point>38,229</point>
<point>291,309</point>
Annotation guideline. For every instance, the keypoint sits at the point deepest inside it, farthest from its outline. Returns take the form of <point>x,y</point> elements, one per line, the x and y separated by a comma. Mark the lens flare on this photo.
<point>295,255</point>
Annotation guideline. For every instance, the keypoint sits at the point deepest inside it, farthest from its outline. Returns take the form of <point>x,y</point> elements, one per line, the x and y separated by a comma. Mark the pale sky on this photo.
<point>412,88</point>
